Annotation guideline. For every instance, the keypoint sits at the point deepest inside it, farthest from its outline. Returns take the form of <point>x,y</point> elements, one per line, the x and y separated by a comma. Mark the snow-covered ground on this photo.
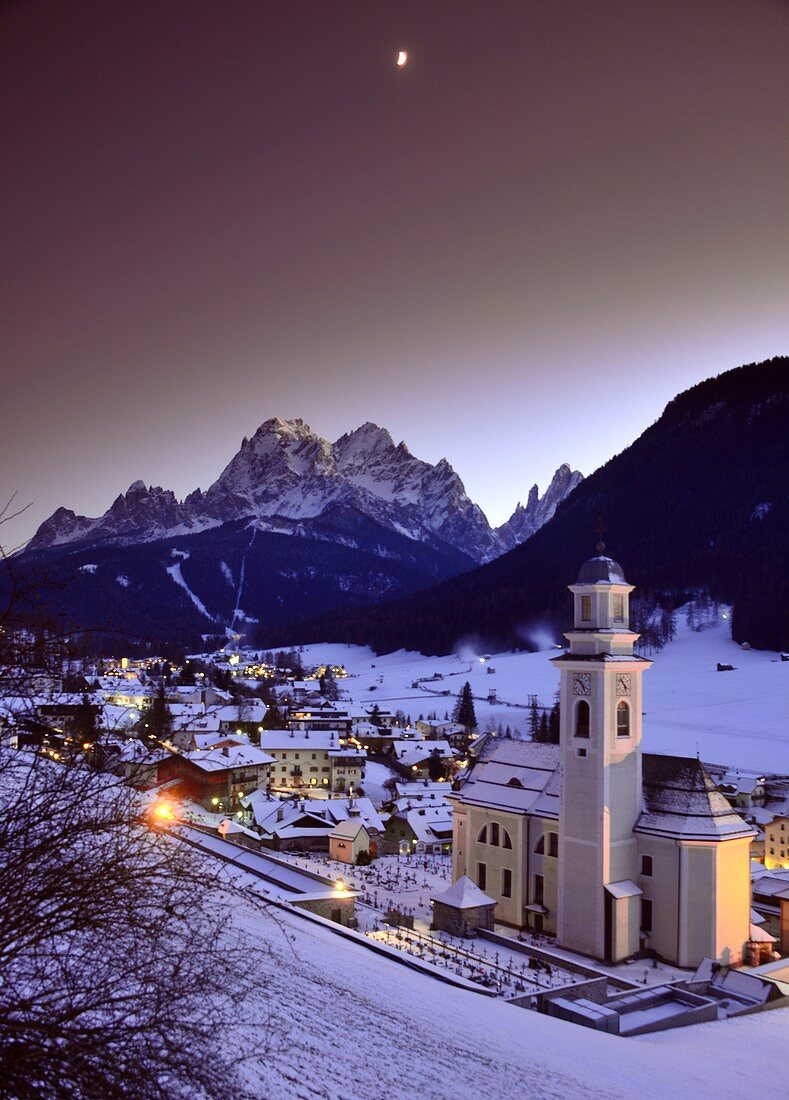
<point>406,884</point>
<point>740,718</point>
<point>349,1024</point>
<point>375,775</point>
<point>390,882</point>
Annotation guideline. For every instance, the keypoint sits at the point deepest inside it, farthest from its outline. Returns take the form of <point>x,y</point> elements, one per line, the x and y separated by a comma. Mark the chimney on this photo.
<point>280,813</point>
<point>226,750</point>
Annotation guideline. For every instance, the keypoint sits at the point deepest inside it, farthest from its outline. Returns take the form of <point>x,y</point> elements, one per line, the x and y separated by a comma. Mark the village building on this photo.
<point>769,888</point>
<point>245,717</point>
<point>128,693</point>
<point>326,715</point>
<point>421,828</point>
<point>453,732</point>
<point>190,722</point>
<point>776,843</point>
<point>612,851</point>
<point>323,715</point>
<point>305,759</point>
<point>62,712</point>
<point>219,775</point>
<point>304,824</point>
<point>349,839</point>
<point>422,758</point>
<point>421,790</point>
<point>744,790</point>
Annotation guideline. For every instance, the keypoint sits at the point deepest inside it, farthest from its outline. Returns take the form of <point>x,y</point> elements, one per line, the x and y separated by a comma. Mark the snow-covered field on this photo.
<point>349,1024</point>
<point>740,718</point>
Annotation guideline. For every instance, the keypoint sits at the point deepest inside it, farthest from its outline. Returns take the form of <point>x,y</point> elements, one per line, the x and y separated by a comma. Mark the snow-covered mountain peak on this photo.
<point>362,441</point>
<point>285,471</point>
<point>525,520</point>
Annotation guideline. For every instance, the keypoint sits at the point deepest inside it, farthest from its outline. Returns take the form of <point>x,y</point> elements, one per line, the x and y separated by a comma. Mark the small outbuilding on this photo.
<point>348,839</point>
<point>462,909</point>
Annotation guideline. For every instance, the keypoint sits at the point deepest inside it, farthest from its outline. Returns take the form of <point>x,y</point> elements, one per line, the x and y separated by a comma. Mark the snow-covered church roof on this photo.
<point>519,776</point>
<point>681,800</point>
<point>679,797</point>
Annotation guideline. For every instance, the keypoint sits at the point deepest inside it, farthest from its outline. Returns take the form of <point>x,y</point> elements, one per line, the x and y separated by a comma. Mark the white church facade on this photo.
<point>611,850</point>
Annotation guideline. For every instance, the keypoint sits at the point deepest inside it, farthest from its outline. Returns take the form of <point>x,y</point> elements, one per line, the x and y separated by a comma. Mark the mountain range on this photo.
<point>294,526</point>
<point>699,503</point>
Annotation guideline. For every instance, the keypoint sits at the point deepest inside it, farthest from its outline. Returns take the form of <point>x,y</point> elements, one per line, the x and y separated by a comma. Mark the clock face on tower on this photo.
<point>582,683</point>
<point>623,683</point>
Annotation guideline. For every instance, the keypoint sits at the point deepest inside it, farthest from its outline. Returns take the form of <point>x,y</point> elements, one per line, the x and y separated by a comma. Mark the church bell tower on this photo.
<point>599,903</point>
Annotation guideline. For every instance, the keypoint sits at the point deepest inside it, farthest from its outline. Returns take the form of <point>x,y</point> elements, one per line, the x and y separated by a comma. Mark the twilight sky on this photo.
<point>512,253</point>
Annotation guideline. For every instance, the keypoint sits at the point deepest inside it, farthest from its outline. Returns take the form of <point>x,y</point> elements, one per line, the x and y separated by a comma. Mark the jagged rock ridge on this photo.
<point>286,476</point>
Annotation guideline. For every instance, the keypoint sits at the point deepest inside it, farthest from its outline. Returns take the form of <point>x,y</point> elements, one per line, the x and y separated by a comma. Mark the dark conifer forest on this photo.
<point>698,503</point>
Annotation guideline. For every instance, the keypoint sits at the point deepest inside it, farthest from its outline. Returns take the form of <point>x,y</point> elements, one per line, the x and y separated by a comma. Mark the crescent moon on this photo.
<point>402,58</point>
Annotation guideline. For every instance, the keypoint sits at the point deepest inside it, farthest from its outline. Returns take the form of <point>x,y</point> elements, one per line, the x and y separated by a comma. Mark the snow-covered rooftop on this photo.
<point>463,894</point>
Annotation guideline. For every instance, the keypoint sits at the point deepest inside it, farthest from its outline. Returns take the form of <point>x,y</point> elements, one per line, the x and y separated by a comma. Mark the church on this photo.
<point>611,850</point>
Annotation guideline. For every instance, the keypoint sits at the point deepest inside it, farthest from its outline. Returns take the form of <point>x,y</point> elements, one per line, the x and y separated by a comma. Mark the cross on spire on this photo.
<point>600,532</point>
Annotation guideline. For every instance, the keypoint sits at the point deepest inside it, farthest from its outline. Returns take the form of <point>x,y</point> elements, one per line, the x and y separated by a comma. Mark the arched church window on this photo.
<point>482,835</point>
<point>622,719</point>
<point>582,718</point>
<point>505,838</point>
<point>494,833</point>
<point>539,847</point>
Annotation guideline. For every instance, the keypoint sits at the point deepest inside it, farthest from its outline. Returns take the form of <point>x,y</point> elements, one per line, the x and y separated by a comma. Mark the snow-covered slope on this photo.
<point>738,718</point>
<point>287,473</point>
<point>347,1023</point>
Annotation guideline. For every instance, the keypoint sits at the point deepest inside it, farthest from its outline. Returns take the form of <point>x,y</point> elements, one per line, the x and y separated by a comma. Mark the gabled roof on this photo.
<point>430,823</point>
<point>463,894</point>
<point>228,757</point>
<point>409,753</point>
<point>298,740</point>
<point>348,829</point>
<point>681,800</point>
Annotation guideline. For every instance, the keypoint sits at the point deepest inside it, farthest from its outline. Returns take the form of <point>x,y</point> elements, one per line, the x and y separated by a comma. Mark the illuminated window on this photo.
<point>582,718</point>
<point>623,719</point>
<point>619,608</point>
<point>586,609</point>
